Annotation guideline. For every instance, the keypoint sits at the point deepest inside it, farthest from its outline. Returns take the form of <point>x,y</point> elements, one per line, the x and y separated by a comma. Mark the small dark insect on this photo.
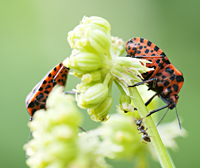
<point>143,131</point>
<point>165,79</point>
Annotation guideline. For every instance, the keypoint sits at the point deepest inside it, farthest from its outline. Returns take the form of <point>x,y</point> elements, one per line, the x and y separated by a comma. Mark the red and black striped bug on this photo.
<point>165,79</point>
<point>36,99</point>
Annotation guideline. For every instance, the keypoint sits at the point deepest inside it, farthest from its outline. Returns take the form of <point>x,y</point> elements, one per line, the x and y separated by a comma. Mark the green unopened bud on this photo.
<point>72,37</point>
<point>100,113</point>
<point>77,38</point>
<point>99,40</point>
<point>83,62</point>
<point>93,96</point>
<point>91,77</point>
<point>98,21</point>
<point>92,35</point>
<point>79,75</point>
<point>83,87</point>
<point>125,103</point>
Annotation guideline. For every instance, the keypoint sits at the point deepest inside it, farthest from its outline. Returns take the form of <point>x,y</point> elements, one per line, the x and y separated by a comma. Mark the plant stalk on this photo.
<point>155,137</point>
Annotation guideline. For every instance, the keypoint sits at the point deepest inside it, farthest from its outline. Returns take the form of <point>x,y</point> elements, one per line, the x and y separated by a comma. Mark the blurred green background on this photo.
<point>33,39</point>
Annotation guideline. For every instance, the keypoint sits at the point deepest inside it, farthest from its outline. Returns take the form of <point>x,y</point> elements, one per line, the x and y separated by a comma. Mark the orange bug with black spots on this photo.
<point>165,79</point>
<point>36,99</point>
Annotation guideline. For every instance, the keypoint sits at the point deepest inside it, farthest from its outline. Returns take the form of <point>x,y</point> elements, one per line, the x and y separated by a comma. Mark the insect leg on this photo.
<point>148,101</point>
<point>178,118</point>
<point>29,137</point>
<point>151,112</point>
<point>70,92</point>
<point>162,117</point>
<point>145,81</point>
<point>82,129</point>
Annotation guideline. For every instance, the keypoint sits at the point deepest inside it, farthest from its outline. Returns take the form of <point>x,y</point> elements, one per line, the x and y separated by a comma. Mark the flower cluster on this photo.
<point>54,142</point>
<point>95,59</point>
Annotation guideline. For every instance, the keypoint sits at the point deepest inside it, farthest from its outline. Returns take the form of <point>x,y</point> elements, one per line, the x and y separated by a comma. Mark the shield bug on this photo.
<point>164,79</point>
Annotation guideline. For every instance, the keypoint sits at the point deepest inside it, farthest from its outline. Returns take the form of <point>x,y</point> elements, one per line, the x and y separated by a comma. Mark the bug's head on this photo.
<point>139,122</point>
<point>176,98</point>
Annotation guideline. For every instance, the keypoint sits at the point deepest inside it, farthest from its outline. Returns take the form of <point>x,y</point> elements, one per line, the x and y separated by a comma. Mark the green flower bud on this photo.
<point>100,113</point>
<point>71,38</point>
<point>102,23</point>
<point>93,96</point>
<point>91,36</point>
<point>91,77</point>
<point>79,75</point>
<point>78,40</point>
<point>99,40</point>
<point>83,87</point>
<point>125,103</point>
<point>83,62</point>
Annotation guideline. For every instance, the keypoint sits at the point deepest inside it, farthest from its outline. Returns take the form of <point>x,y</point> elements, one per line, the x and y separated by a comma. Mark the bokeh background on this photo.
<point>33,39</point>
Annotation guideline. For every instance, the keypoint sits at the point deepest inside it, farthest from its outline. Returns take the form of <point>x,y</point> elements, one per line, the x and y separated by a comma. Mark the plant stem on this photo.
<point>156,140</point>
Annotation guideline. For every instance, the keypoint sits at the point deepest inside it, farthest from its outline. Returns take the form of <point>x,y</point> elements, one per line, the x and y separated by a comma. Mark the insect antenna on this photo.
<point>178,118</point>
<point>82,129</point>
<point>162,117</point>
<point>71,92</point>
<point>29,137</point>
